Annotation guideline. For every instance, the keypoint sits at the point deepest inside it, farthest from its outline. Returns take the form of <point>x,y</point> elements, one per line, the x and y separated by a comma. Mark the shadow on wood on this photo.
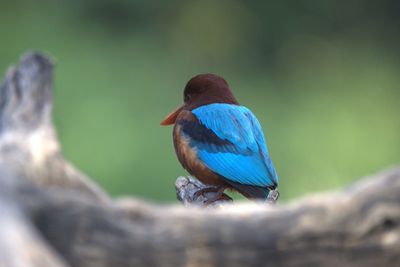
<point>53,215</point>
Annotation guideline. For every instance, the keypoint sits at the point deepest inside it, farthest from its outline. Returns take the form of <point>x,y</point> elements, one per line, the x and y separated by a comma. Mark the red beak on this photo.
<point>171,118</point>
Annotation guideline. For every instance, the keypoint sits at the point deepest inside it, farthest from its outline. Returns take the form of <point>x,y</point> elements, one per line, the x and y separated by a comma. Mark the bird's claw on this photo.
<point>205,190</point>
<point>219,195</point>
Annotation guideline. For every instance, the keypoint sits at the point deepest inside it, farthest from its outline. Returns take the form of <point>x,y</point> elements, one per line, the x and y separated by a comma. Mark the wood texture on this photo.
<point>53,215</point>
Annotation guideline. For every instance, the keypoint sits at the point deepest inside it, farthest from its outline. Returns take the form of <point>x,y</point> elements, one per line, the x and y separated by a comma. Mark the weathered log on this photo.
<point>58,217</point>
<point>28,144</point>
<point>20,243</point>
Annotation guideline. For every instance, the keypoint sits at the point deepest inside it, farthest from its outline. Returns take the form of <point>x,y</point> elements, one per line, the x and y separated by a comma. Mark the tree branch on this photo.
<point>71,222</point>
<point>28,143</point>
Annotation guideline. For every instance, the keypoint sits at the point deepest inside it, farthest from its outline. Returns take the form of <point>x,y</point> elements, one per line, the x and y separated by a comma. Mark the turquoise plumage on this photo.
<point>247,160</point>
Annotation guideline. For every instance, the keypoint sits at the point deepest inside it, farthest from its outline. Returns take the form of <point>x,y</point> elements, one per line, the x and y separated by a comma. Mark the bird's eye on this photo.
<point>188,97</point>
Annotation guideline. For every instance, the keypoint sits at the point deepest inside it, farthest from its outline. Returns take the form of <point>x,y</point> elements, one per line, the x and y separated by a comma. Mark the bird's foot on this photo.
<point>191,191</point>
<point>204,190</point>
<point>219,194</point>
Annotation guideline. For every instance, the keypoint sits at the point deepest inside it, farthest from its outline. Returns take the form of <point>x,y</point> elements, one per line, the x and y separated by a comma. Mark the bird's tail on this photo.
<point>252,191</point>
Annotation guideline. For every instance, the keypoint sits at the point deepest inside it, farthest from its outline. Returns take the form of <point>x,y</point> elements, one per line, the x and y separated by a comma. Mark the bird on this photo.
<point>220,142</point>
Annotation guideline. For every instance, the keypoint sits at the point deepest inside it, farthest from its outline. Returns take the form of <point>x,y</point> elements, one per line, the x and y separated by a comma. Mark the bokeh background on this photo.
<point>322,77</point>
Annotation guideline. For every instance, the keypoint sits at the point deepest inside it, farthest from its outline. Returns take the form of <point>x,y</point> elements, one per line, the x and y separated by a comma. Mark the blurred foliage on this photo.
<point>322,76</point>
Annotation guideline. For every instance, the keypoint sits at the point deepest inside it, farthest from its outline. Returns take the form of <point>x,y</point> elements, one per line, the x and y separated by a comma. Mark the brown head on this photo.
<point>201,90</point>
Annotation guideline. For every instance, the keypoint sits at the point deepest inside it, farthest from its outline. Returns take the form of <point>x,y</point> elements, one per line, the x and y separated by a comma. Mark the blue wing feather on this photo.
<point>243,158</point>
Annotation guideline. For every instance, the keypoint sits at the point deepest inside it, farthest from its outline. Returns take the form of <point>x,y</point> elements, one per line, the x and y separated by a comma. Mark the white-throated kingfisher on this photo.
<point>219,141</point>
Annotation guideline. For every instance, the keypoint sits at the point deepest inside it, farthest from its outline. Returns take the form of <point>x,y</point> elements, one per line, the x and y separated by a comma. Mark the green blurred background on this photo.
<point>322,77</point>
